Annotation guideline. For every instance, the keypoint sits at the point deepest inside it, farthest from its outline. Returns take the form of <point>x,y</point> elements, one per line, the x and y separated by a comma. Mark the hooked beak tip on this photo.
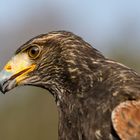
<point>4,80</point>
<point>2,89</point>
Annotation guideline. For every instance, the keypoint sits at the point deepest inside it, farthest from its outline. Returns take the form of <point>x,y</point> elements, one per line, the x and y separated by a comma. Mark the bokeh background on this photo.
<point>112,26</point>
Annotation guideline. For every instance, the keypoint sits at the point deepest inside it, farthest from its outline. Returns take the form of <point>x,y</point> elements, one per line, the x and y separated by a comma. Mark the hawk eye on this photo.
<point>34,51</point>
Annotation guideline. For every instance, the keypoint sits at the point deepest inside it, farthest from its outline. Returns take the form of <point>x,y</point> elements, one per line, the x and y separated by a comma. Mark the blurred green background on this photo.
<point>113,27</point>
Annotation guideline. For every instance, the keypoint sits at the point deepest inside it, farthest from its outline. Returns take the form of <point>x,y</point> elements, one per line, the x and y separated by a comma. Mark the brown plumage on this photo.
<point>97,98</point>
<point>126,120</point>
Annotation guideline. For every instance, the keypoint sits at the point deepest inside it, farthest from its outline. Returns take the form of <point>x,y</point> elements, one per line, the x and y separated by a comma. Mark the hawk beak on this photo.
<point>10,80</point>
<point>15,72</point>
<point>5,83</point>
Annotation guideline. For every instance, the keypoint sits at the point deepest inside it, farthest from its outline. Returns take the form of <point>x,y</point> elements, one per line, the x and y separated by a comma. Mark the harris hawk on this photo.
<point>97,98</point>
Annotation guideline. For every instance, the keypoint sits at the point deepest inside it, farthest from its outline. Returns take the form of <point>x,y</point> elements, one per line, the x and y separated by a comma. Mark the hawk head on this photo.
<point>56,61</point>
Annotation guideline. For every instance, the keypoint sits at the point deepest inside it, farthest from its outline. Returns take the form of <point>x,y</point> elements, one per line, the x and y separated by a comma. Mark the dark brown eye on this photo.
<point>34,51</point>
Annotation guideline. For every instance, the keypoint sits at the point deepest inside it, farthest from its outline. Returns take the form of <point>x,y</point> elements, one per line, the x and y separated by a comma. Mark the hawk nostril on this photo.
<point>8,67</point>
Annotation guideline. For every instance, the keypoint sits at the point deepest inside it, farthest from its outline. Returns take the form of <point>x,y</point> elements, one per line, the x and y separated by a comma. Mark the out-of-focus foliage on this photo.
<point>125,52</point>
<point>28,114</point>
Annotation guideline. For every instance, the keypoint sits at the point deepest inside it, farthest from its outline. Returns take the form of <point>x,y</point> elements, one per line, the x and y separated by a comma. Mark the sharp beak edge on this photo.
<point>15,72</point>
<point>6,83</point>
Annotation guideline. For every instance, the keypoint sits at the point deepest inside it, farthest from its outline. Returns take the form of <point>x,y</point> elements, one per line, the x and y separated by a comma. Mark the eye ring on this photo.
<point>34,51</point>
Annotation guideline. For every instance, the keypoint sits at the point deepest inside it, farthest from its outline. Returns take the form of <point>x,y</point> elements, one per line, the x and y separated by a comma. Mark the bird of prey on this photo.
<point>97,98</point>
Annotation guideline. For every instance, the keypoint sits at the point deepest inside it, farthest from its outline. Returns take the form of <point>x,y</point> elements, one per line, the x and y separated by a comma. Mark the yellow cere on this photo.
<point>18,64</point>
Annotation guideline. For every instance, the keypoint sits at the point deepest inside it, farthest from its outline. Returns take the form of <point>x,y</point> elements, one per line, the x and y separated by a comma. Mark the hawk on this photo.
<point>97,98</point>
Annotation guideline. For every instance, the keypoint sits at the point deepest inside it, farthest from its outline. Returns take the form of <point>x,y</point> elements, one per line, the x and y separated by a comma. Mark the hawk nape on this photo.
<point>97,98</point>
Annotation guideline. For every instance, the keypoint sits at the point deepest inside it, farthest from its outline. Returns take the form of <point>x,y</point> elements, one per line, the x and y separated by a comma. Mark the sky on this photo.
<point>102,23</point>
<point>95,18</point>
